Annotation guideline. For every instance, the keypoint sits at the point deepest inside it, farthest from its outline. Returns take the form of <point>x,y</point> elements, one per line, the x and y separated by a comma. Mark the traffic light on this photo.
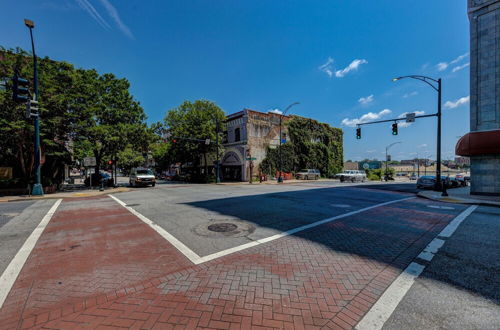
<point>358,133</point>
<point>395,129</point>
<point>110,162</point>
<point>174,141</point>
<point>20,89</point>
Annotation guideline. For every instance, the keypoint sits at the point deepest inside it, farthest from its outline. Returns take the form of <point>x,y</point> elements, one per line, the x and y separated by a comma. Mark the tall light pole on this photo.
<point>436,85</point>
<point>386,160</point>
<point>37,187</point>
<point>280,178</point>
<point>217,129</point>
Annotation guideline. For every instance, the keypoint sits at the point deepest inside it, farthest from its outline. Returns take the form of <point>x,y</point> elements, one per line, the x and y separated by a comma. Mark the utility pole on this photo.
<point>37,187</point>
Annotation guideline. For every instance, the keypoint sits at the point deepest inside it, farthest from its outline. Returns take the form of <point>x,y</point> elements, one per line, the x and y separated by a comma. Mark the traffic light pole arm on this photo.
<point>395,119</point>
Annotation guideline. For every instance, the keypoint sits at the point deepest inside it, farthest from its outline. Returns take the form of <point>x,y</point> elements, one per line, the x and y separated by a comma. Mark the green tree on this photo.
<point>191,124</point>
<point>107,118</point>
<point>312,145</point>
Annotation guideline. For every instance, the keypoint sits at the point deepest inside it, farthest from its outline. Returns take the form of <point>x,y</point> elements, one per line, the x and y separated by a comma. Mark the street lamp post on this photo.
<point>37,187</point>
<point>217,129</point>
<point>280,178</point>
<point>386,160</point>
<point>436,85</point>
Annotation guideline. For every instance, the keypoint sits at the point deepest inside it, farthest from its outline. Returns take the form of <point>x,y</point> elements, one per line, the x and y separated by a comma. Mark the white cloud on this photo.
<point>444,65</point>
<point>371,151</point>
<point>457,103</point>
<point>460,67</point>
<point>351,67</point>
<point>277,111</point>
<point>116,17</point>
<point>87,6</point>
<point>424,145</point>
<point>364,118</point>
<point>327,67</point>
<point>111,11</point>
<point>410,94</point>
<point>366,100</point>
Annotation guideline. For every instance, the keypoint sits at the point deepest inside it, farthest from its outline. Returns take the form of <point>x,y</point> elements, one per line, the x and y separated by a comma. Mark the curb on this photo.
<point>460,200</point>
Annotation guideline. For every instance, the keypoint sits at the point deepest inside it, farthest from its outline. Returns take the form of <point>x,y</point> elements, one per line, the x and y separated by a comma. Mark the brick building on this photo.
<point>482,144</point>
<point>249,133</point>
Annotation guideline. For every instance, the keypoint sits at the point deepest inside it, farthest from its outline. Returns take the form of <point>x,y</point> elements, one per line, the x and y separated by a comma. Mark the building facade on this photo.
<point>248,135</point>
<point>482,144</point>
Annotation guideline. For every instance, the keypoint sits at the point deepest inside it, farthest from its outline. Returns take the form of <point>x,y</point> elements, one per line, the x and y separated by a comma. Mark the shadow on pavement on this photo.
<point>392,235</point>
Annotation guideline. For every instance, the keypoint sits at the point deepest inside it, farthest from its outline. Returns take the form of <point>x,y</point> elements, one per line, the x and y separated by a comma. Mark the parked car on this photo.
<point>352,175</point>
<point>142,177</point>
<point>461,178</point>
<point>308,174</point>
<point>413,177</point>
<point>429,181</point>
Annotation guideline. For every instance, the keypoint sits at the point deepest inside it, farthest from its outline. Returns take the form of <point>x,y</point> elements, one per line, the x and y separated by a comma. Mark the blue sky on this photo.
<point>335,57</point>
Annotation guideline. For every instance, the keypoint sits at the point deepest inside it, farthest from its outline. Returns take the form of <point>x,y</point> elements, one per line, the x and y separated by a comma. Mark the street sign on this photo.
<point>410,117</point>
<point>89,161</point>
<point>207,142</point>
<point>251,158</point>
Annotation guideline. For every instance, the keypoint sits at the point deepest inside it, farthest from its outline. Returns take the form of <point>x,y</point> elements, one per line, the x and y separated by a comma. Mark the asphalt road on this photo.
<point>258,211</point>
<point>460,289</point>
<point>19,220</point>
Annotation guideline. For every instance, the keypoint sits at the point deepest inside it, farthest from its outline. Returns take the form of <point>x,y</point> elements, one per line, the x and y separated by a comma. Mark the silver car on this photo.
<point>142,177</point>
<point>308,174</point>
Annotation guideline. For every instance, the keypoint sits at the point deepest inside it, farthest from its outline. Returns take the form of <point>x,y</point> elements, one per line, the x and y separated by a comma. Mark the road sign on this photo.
<point>89,161</point>
<point>251,158</point>
<point>207,142</point>
<point>410,117</point>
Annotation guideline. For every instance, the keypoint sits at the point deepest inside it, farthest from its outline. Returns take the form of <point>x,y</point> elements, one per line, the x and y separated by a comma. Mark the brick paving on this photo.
<point>326,277</point>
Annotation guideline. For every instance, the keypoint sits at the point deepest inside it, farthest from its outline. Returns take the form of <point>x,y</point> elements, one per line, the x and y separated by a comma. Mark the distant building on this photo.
<point>351,166</point>
<point>462,161</point>
<point>249,133</point>
<point>482,144</point>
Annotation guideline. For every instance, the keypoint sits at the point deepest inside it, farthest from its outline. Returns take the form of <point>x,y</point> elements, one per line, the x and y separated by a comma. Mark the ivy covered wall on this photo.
<point>311,145</point>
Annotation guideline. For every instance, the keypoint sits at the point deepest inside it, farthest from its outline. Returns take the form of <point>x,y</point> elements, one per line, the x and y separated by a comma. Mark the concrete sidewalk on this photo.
<point>68,194</point>
<point>461,195</point>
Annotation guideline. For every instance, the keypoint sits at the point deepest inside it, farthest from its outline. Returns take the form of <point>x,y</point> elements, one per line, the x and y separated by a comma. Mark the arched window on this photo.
<point>236,134</point>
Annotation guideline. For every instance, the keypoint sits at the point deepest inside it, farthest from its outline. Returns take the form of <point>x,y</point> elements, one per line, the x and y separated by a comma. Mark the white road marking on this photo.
<point>452,226</point>
<point>387,303</point>
<point>196,259</point>
<point>441,207</point>
<point>191,255</point>
<point>10,274</point>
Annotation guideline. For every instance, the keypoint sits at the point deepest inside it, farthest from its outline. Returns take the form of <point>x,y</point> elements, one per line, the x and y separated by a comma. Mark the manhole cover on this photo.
<point>223,227</point>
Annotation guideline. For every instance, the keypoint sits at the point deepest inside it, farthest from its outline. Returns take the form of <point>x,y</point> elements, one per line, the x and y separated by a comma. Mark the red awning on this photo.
<point>479,143</point>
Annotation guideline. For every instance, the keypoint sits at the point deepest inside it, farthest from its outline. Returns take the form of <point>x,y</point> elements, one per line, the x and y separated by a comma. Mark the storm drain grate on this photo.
<point>222,227</point>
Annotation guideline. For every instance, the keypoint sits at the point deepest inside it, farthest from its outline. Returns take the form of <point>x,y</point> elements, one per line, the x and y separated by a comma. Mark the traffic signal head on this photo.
<point>174,141</point>
<point>20,89</point>
<point>358,133</point>
<point>110,162</point>
<point>395,129</point>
